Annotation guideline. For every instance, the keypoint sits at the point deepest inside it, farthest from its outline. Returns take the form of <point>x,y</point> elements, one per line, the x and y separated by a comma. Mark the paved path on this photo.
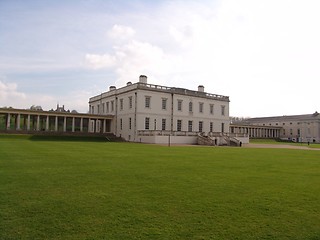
<point>258,145</point>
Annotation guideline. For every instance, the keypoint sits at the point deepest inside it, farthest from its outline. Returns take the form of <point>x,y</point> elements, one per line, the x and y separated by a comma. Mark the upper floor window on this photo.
<point>223,109</point>
<point>130,102</point>
<point>107,107</point>
<point>98,109</point>
<point>179,105</point>
<point>103,107</point>
<point>121,104</point>
<point>211,108</point>
<point>201,107</point>
<point>147,102</point>
<point>190,106</point>
<point>112,106</point>
<point>164,103</point>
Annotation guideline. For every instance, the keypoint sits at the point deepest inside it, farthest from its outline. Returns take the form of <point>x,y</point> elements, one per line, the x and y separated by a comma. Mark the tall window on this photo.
<point>200,126</point>
<point>147,102</point>
<point>130,102</point>
<point>179,105</point>
<point>163,124</point>
<point>130,123</point>
<point>147,123</point>
<point>120,123</point>
<point>92,109</point>
<point>222,127</point>
<point>103,107</point>
<point>211,108</point>
<point>211,126</point>
<point>98,108</point>
<point>107,107</point>
<point>112,106</point>
<point>201,107</point>
<point>190,106</point>
<point>179,125</point>
<point>189,126</point>
<point>164,103</point>
<point>121,104</point>
<point>223,108</point>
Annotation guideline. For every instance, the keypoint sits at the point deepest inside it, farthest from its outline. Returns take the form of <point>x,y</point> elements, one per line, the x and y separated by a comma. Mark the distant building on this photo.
<point>298,128</point>
<point>151,113</point>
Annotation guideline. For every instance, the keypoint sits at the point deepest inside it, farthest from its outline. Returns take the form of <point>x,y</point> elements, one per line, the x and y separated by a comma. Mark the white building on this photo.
<point>298,128</point>
<point>157,114</point>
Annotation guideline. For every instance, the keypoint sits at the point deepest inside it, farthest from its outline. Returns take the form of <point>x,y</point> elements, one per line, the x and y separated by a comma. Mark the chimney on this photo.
<point>200,88</point>
<point>143,79</point>
<point>111,88</point>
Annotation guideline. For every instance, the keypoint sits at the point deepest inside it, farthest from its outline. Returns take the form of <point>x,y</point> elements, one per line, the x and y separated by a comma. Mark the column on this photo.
<point>56,124</point>
<point>38,122</point>
<point>73,122</point>
<point>81,125</point>
<point>104,125</point>
<point>65,124</point>
<point>47,123</point>
<point>18,122</point>
<point>8,121</point>
<point>28,123</point>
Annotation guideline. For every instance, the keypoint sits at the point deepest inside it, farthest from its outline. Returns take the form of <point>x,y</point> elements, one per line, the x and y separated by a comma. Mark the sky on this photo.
<point>263,54</point>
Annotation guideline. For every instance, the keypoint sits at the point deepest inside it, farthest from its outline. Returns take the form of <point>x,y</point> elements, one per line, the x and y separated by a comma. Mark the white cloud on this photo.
<point>9,95</point>
<point>120,32</point>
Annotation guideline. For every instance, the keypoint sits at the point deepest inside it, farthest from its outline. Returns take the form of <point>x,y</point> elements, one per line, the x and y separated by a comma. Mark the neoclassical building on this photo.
<point>297,128</point>
<point>144,112</point>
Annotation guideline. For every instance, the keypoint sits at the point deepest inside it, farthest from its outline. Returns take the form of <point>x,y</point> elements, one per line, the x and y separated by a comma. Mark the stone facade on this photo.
<point>141,107</point>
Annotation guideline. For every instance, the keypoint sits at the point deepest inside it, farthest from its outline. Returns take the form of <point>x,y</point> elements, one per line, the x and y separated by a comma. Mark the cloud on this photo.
<point>9,94</point>
<point>120,32</point>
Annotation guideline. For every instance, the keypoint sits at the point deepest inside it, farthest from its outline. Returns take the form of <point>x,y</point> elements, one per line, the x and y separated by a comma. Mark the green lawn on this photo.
<point>273,141</point>
<point>93,189</point>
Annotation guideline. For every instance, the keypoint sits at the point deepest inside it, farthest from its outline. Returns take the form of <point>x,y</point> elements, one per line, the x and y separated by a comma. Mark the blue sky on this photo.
<point>265,55</point>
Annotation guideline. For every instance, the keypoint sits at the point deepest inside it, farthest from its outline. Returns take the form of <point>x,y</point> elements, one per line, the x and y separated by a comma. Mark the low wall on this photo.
<point>166,139</point>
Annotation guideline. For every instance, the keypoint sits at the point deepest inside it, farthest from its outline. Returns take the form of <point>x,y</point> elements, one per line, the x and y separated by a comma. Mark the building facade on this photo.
<point>297,128</point>
<point>141,112</point>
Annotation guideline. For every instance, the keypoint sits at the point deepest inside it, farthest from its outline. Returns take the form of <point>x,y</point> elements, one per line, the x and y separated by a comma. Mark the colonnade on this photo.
<point>27,120</point>
<point>256,131</point>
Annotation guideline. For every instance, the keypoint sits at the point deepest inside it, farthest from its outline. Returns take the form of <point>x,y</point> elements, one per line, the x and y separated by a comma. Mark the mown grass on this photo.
<point>101,190</point>
<point>274,141</point>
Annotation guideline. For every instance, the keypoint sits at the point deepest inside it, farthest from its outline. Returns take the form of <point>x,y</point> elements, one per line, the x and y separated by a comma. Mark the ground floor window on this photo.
<point>200,126</point>
<point>189,126</point>
<point>179,125</point>
<point>211,126</point>
<point>163,124</point>
<point>147,123</point>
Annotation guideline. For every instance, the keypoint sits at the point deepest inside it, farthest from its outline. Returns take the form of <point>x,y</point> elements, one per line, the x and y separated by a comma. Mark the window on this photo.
<point>130,102</point>
<point>107,107</point>
<point>130,123</point>
<point>92,109</point>
<point>211,126</point>
<point>179,125</point>
<point>164,103</point>
<point>223,108</point>
<point>163,124</point>
<point>147,123</point>
<point>211,109</point>
<point>299,131</point>
<point>103,107</point>
<point>189,126</point>
<point>201,107</point>
<point>222,127</point>
<point>120,123</point>
<point>112,106</point>
<point>190,106</point>
<point>147,102</point>
<point>200,126</point>
<point>121,104</point>
<point>290,131</point>
<point>179,105</point>
<point>98,109</point>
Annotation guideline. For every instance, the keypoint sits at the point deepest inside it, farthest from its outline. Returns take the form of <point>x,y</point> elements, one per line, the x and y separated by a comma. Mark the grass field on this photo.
<point>91,189</point>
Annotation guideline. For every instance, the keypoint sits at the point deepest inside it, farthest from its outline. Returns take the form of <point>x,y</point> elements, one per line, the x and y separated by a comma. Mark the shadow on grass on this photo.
<point>70,138</point>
